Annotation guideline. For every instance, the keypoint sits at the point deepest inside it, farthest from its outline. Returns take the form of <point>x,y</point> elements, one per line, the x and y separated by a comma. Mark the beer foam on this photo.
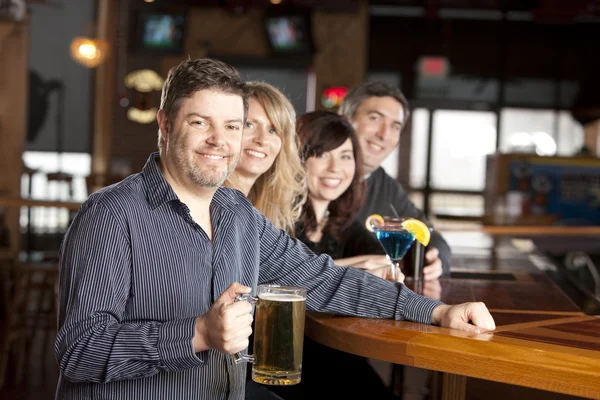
<point>280,297</point>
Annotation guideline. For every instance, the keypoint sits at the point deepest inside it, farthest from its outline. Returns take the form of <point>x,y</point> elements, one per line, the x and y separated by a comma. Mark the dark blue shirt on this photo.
<point>136,271</point>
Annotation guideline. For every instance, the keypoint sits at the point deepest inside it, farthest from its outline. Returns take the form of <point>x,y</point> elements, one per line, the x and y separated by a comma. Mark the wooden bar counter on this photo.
<point>542,340</point>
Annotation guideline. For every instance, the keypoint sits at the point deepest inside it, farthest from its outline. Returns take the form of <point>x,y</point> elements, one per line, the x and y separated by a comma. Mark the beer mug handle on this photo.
<point>239,357</point>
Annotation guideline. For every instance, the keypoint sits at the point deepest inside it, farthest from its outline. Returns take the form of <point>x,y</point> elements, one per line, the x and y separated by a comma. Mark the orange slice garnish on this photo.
<point>373,221</point>
<point>418,229</point>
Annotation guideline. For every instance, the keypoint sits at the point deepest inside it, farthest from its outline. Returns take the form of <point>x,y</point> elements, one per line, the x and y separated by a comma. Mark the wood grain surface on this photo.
<point>561,355</point>
<point>542,341</point>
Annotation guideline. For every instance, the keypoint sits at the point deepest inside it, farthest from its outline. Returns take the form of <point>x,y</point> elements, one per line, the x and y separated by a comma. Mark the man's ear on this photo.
<point>163,124</point>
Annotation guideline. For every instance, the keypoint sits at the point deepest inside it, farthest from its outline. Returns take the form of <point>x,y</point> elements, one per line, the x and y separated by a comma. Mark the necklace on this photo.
<point>324,220</point>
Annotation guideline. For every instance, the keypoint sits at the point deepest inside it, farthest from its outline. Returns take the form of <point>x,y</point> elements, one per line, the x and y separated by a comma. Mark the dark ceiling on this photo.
<point>555,40</point>
<point>541,9</point>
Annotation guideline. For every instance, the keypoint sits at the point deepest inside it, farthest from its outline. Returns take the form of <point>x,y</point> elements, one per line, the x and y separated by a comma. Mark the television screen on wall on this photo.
<point>289,34</point>
<point>160,32</point>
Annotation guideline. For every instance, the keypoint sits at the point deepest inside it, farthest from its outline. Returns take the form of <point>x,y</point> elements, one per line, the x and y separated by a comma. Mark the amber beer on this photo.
<point>278,335</point>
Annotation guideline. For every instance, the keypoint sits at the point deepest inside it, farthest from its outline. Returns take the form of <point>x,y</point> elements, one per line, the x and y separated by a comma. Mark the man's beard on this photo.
<point>212,178</point>
<point>208,176</point>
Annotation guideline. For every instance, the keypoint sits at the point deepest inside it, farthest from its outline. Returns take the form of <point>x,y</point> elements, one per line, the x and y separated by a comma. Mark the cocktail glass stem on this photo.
<point>395,266</point>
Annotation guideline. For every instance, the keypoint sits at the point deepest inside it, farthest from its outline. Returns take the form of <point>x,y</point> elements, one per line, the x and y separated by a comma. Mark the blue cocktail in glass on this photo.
<point>395,239</point>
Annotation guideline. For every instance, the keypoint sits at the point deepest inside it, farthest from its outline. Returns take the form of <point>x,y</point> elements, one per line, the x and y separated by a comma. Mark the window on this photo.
<point>418,151</point>
<point>78,165</point>
<point>461,142</point>
<point>543,132</point>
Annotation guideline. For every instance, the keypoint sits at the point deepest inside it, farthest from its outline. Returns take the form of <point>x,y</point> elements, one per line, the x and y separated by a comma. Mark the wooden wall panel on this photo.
<point>104,91</point>
<point>216,31</point>
<point>342,45</point>
<point>13,114</point>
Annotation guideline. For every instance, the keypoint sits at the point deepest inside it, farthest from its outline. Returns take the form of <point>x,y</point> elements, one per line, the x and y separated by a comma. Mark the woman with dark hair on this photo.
<point>327,223</point>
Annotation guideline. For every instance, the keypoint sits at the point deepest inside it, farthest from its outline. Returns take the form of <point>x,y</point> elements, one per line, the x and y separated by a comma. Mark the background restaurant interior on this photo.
<point>501,150</point>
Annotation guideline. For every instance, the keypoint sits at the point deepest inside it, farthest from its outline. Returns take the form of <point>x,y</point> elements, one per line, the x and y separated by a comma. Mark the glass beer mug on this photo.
<point>278,334</point>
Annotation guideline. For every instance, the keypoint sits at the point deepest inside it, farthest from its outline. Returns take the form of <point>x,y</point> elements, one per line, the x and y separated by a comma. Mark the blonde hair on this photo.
<point>280,192</point>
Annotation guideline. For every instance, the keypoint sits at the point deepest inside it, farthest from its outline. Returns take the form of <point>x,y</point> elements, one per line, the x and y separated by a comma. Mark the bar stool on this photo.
<point>32,310</point>
<point>7,260</point>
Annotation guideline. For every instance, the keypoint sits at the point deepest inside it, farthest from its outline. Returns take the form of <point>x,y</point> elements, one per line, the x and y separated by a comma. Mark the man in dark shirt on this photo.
<point>150,266</point>
<point>378,112</point>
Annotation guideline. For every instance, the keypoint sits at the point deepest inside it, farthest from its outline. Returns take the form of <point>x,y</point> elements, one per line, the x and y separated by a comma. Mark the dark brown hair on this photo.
<point>320,132</point>
<point>191,76</point>
<point>362,92</point>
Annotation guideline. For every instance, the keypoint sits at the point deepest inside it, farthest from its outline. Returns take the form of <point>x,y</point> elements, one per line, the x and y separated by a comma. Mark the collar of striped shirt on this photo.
<point>159,191</point>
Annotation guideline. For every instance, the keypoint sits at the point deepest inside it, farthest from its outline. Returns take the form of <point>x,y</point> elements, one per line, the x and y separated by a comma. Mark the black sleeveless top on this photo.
<point>357,241</point>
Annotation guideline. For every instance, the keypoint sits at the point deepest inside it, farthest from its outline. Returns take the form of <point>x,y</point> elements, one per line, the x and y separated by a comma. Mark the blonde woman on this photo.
<point>270,172</point>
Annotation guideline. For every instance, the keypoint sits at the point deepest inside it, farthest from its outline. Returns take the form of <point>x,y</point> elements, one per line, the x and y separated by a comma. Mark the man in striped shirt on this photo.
<point>150,267</point>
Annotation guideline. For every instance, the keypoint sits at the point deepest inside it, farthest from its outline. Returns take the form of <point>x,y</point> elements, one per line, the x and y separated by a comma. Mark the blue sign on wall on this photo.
<point>569,191</point>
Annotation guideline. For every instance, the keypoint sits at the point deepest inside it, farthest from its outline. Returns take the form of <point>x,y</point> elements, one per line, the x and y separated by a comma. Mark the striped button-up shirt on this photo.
<point>136,271</point>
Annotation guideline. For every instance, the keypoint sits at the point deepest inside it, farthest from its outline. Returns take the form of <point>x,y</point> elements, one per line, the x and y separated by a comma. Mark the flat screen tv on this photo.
<point>289,34</point>
<point>160,32</point>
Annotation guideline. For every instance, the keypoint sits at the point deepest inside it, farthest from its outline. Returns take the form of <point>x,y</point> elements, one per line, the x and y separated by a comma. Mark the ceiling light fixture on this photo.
<point>89,52</point>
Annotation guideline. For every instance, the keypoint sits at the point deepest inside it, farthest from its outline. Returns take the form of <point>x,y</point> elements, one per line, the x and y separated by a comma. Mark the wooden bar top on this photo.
<point>542,340</point>
<point>520,291</point>
<point>556,352</point>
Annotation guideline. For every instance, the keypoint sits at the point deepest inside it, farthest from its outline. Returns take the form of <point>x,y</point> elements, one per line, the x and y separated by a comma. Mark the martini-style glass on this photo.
<point>395,239</point>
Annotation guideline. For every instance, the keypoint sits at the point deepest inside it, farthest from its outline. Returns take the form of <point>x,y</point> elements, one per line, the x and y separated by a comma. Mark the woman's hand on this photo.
<point>385,272</point>
<point>433,265</point>
<point>376,264</point>
<point>432,289</point>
